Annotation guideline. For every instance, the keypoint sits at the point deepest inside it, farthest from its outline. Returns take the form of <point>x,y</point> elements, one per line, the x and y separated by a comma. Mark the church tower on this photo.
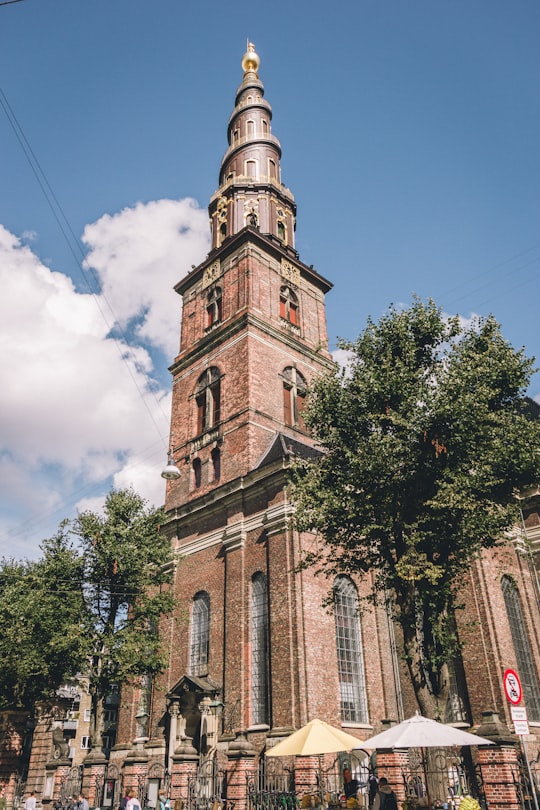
<point>253,322</point>
<point>253,338</point>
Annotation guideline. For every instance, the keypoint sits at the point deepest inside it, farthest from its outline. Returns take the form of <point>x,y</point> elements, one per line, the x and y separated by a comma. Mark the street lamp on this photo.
<point>171,471</point>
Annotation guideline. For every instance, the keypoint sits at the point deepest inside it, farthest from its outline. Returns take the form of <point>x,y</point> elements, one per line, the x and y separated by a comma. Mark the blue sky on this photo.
<point>410,135</point>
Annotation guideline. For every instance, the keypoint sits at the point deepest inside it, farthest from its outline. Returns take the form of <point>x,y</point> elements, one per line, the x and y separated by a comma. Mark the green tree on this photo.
<point>41,643</point>
<point>125,594</point>
<point>90,607</point>
<point>425,438</point>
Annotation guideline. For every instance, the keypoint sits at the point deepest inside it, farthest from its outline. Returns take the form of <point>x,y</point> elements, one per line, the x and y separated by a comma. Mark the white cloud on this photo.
<point>80,411</point>
<point>139,254</point>
<point>344,358</point>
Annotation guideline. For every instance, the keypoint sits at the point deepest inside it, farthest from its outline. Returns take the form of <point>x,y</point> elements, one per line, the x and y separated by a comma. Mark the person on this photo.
<point>373,787</point>
<point>164,803</point>
<point>82,802</point>
<point>123,801</point>
<point>30,802</point>
<point>385,798</point>
<point>133,802</point>
<point>350,785</point>
<point>3,798</point>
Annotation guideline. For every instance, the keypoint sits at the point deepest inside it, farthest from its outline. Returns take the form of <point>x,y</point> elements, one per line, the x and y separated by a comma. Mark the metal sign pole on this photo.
<point>533,786</point>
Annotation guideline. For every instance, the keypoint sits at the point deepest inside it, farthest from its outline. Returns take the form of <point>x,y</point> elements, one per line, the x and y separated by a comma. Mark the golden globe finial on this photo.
<point>250,60</point>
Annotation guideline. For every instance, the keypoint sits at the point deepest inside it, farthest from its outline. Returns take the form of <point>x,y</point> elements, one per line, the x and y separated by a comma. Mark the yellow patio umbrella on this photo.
<point>314,739</point>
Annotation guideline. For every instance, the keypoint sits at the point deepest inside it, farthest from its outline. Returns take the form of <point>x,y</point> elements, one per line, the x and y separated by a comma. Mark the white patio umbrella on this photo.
<point>421,732</point>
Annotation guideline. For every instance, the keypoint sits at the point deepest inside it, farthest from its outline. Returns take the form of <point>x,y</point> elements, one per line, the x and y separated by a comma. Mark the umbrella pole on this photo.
<point>426,776</point>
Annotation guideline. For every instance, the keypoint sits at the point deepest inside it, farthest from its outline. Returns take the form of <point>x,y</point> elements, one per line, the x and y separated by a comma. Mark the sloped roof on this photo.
<point>283,447</point>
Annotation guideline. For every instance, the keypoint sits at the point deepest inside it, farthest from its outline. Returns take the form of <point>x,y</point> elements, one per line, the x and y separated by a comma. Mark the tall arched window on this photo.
<point>350,654</point>
<point>207,397</point>
<point>214,307</point>
<point>288,305</point>
<point>294,397</point>
<point>522,648</point>
<point>200,634</point>
<point>259,650</point>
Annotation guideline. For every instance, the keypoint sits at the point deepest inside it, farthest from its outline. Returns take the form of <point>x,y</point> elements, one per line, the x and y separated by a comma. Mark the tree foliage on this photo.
<point>42,641</point>
<point>91,606</point>
<point>425,440</point>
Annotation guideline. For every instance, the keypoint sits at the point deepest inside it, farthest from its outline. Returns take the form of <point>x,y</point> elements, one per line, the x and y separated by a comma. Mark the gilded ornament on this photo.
<point>211,273</point>
<point>290,272</point>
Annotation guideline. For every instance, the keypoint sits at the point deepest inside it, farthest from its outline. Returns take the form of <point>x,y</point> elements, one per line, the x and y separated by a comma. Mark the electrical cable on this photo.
<point>67,232</point>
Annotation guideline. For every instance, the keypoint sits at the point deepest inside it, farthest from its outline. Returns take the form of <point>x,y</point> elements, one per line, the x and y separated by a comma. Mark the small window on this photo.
<point>197,472</point>
<point>250,128</point>
<point>223,230</point>
<point>251,168</point>
<point>216,463</point>
<point>272,172</point>
<point>288,306</point>
<point>85,742</point>
<point>294,397</point>
<point>281,231</point>
<point>214,307</point>
<point>87,715</point>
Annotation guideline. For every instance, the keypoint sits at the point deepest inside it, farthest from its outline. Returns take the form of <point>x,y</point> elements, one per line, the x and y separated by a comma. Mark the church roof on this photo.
<point>283,447</point>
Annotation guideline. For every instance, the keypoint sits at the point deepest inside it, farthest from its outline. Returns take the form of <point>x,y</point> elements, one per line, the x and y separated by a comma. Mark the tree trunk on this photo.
<point>430,688</point>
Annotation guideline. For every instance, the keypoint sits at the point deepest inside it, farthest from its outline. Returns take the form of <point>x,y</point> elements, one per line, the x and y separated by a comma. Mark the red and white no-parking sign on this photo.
<point>512,686</point>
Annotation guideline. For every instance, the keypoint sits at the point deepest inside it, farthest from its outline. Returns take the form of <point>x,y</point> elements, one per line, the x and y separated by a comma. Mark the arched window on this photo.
<point>251,168</point>
<point>522,648</point>
<point>214,307</point>
<point>250,128</point>
<point>259,650</point>
<point>207,397</point>
<point>281,231</point>
<point>350,655</point>
<point>197,472</point>
<point>288,306</point>
<point>272,171</point>
<point>216,463</point>
<point>294,397</point>
<point>200,634</point>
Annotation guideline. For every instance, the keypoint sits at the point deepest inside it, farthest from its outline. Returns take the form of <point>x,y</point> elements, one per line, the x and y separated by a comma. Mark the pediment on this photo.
<point>194,684</point>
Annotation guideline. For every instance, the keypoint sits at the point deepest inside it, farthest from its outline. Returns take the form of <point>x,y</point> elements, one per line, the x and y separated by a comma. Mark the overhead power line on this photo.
<point>79,255</point>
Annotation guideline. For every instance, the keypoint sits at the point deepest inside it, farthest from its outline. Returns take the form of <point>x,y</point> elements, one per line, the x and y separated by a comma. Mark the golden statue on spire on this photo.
<point>250,60</point>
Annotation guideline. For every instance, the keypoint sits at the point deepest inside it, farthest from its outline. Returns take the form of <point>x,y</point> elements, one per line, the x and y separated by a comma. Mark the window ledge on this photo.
<point>291,326</point>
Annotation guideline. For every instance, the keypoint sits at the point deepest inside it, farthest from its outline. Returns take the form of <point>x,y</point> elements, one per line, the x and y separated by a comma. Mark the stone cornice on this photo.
<point>217,339</point>
<point>272,520</point>
<point>271,245</point>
